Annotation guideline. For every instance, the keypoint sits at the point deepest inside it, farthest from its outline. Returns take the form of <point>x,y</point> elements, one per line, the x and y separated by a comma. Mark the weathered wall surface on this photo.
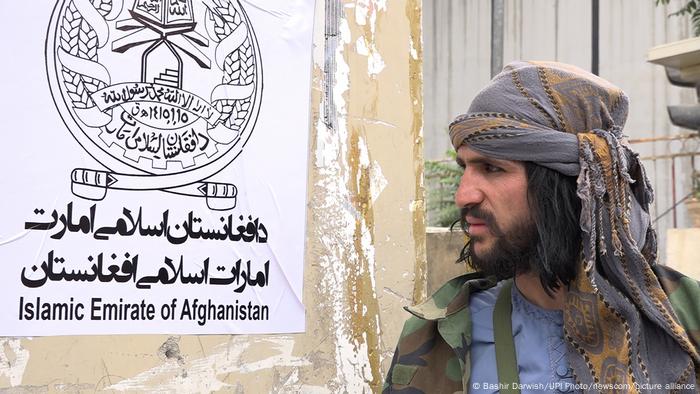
<point>442,248</point>
<point>365,239</point>
<point>682,252</point>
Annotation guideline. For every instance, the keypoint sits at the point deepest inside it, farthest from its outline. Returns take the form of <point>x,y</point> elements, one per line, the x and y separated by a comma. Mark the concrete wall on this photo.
<point>457,65</point>
<point>683,253</point>
<point>442,248</point>
<point>365,241</point>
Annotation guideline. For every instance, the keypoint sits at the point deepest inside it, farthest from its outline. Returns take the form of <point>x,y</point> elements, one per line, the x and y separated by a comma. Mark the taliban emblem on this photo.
<point>163,93</point>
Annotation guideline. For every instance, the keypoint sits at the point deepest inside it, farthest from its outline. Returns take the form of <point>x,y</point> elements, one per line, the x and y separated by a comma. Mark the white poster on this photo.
<point>154,166</point>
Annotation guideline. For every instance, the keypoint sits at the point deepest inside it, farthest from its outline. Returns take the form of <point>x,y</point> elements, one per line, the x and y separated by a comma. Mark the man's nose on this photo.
<point>468,193</point>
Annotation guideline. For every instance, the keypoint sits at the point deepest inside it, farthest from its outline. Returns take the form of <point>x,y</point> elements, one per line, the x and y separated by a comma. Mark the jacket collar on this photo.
<point>452,297</point>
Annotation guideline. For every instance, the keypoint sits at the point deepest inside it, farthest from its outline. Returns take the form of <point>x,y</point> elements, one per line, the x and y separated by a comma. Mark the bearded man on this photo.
<point>567,294</point>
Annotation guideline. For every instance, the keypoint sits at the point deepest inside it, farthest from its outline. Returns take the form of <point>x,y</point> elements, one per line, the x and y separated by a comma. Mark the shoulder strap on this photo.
<point>506,361</point>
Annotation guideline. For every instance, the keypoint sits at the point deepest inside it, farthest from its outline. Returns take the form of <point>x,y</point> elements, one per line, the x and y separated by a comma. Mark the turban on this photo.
<point>618,321</point>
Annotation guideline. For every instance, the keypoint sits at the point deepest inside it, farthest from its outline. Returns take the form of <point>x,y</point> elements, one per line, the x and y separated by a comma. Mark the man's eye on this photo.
<point>491,168</point>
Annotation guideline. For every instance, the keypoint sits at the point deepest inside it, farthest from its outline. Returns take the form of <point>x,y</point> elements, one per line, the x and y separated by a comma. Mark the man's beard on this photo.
<point>510,254</point>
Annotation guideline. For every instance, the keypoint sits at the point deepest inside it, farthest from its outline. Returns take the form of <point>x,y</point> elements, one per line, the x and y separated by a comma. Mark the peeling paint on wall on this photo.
<point>413,13</point>
<point>337,218</point>
<point>351,183</point>
<point>377,180</point>
<point>361,282</point>
<point>13,360</point>
<point>366,14</point>
<point>177,374</point>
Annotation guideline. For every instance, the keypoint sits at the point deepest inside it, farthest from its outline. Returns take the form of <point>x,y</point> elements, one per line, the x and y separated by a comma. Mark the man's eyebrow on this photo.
<point>478,160</point>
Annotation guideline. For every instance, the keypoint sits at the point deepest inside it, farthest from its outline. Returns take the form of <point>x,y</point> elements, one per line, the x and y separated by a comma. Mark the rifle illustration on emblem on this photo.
<point>175,126</point>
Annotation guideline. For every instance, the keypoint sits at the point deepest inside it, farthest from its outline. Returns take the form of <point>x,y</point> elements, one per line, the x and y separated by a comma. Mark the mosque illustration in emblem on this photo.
<point>166,28</point>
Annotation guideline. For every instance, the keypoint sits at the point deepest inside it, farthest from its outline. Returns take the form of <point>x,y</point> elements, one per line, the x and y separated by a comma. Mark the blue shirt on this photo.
<point>539,343</point>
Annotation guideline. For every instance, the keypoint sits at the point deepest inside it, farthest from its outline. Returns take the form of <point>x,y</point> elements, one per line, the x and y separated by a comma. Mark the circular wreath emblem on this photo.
<point>163,93</point>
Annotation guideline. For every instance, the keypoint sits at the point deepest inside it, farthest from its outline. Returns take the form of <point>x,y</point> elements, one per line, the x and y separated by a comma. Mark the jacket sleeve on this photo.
<point>422,362</point>
<point>684,294</point>
<point>387,381</point>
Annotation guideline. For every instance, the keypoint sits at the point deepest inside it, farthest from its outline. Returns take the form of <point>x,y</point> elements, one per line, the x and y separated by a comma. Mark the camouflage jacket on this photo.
<point>432,355</point>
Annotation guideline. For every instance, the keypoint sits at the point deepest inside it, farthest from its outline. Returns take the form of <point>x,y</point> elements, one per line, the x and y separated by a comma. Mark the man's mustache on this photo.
<point>479,213</point>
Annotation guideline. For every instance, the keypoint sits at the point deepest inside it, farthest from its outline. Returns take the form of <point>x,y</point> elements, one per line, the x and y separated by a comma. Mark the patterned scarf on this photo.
<point>622,334</point>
